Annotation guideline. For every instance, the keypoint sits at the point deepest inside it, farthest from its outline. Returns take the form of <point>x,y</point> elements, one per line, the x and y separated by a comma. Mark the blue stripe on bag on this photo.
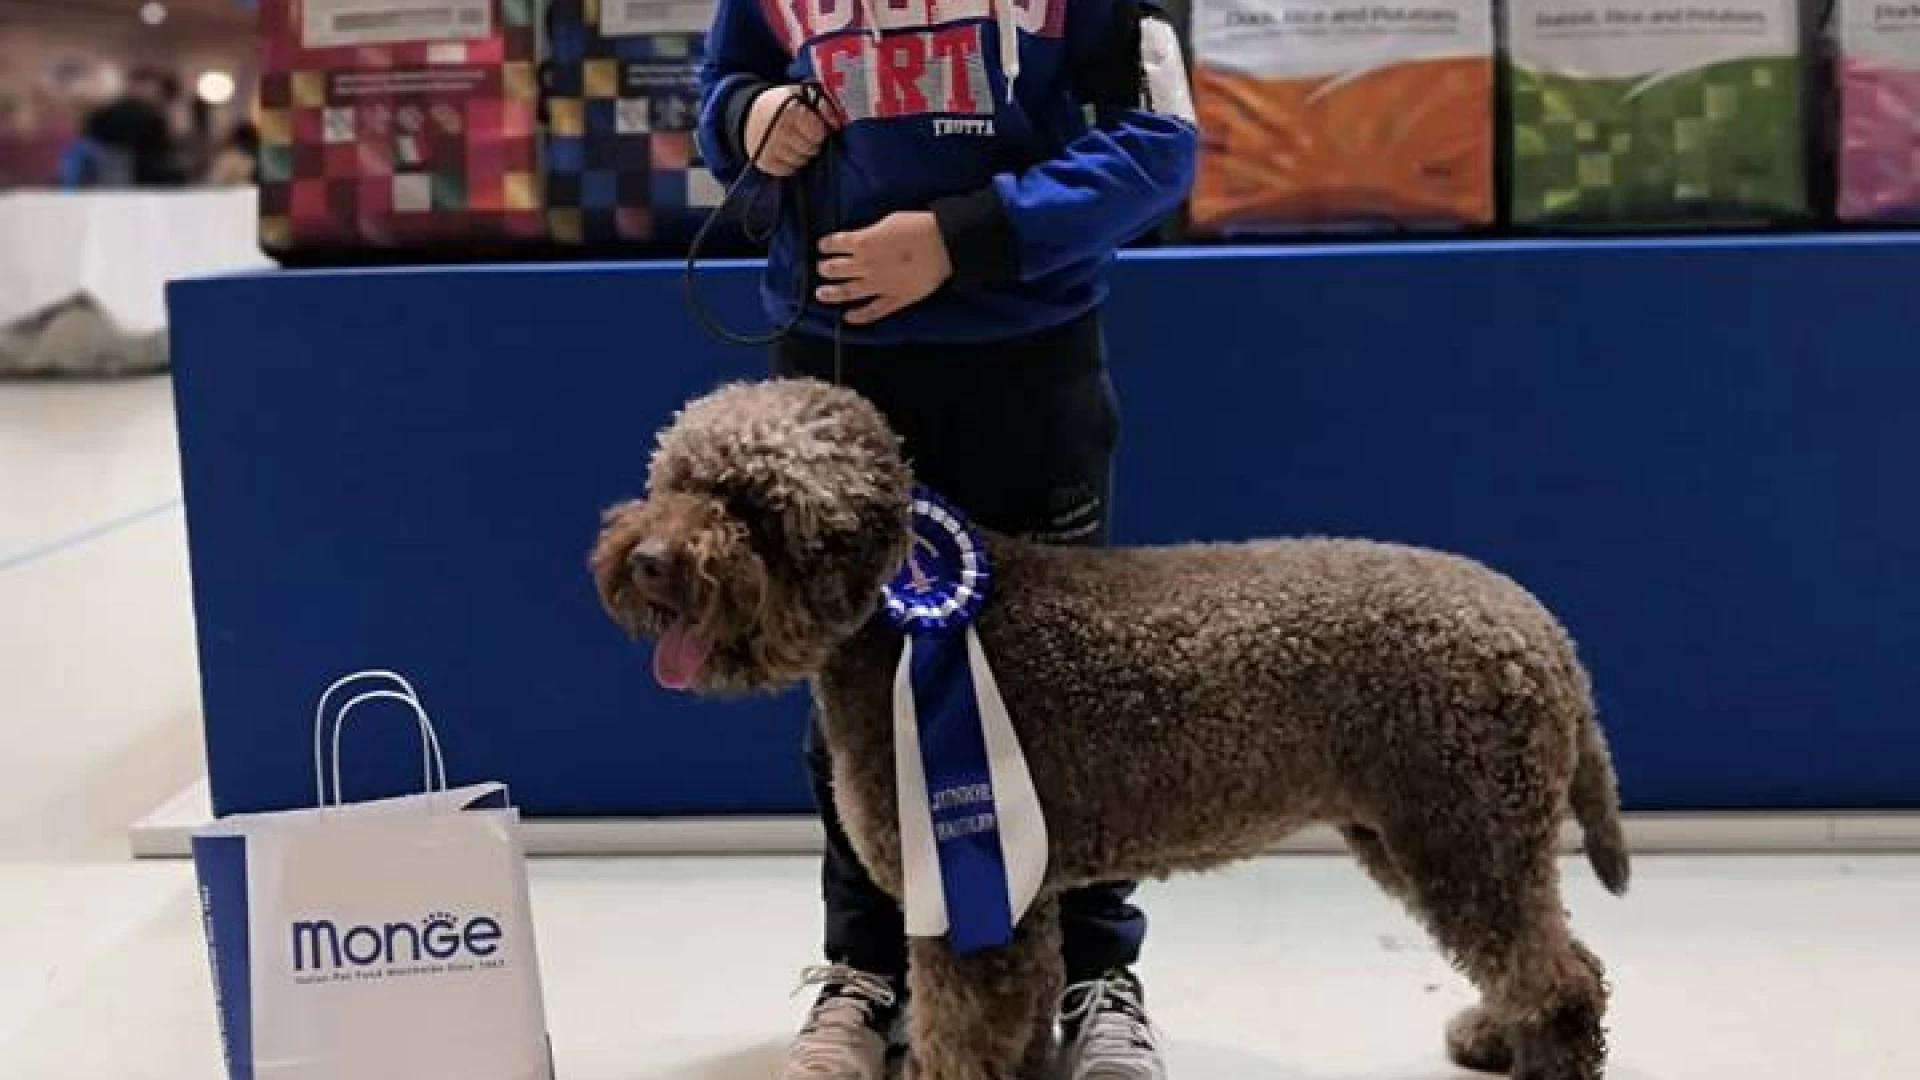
<point>221,864</point>
<point>973,869</point>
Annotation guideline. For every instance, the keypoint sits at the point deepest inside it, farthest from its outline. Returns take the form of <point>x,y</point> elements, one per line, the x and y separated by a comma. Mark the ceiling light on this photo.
<point>215,87</point>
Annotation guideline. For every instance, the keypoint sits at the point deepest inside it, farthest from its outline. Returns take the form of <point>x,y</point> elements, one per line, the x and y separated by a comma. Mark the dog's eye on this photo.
<point>759,523</point>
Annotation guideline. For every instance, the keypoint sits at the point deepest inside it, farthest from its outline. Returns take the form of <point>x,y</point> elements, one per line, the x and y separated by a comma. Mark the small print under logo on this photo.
<point>439,944</point>
<point>978,126</point>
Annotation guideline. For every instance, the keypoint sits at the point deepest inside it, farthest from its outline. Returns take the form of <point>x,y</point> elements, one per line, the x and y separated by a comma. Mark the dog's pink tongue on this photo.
<point>678,656</point>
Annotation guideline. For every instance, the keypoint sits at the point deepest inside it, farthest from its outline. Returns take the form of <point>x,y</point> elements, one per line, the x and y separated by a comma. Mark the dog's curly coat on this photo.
<point>1181,708</point>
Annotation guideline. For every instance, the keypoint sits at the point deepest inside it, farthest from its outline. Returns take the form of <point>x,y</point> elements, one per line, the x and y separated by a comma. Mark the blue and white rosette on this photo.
<point>973,841</point>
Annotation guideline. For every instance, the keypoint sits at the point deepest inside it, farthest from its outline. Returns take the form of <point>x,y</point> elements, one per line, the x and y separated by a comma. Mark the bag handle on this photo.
<point>433,765</point>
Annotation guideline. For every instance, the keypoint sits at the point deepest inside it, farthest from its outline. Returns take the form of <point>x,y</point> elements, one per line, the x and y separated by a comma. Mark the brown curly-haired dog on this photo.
<point>1180,708</point>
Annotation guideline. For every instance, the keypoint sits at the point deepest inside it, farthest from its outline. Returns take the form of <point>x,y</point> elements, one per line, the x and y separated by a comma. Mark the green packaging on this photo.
<point>1631,113</point>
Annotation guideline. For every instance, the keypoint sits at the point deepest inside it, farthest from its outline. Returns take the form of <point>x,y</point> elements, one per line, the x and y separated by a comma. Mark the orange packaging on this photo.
<point>1319,114</point>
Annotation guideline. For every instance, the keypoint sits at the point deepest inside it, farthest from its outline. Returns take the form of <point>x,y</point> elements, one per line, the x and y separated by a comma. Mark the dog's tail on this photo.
<point>1596,806</point>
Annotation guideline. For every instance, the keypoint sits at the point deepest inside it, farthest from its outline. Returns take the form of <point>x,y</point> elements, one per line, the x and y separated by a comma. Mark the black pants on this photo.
<point>1020,435</point>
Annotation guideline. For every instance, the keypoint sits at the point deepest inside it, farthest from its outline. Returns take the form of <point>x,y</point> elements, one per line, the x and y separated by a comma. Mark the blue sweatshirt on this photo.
<point>1034,187</point>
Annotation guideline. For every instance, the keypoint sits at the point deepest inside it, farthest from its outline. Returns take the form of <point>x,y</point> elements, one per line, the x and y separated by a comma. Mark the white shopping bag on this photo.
<point>388,940</point>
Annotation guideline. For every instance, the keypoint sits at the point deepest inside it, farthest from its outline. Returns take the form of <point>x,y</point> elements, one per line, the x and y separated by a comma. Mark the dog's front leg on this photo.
<point>990,1015</point>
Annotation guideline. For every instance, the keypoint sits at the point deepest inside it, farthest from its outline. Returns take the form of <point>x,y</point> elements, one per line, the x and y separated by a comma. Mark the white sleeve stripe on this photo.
<point>1167,90</point>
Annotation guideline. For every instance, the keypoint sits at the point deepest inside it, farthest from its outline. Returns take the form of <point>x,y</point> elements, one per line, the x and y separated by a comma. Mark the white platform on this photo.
<point>165,833</point>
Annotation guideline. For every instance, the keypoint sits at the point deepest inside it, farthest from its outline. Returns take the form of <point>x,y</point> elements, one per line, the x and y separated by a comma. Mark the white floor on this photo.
<point>1289,969</point>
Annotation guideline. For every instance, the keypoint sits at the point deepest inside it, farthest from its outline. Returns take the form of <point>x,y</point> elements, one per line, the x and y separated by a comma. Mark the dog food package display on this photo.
<point>387,940</point>
<point>1337,113</point>
<point>623,98</point>
<point>398,124</point>
<point>1879,75</point>
<point>1655,112</point>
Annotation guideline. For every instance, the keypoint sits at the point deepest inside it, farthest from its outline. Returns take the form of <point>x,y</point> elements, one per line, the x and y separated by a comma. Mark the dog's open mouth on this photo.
<point>680,654</point>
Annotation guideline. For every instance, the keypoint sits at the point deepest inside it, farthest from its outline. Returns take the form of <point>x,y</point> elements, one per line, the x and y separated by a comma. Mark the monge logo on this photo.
<point>439,942</point>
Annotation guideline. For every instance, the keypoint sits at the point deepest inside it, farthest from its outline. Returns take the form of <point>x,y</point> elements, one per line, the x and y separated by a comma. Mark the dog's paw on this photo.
<point>1477,1041</point>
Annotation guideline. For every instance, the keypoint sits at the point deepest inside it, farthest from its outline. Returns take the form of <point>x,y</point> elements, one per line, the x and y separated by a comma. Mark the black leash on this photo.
<point>798,203</point>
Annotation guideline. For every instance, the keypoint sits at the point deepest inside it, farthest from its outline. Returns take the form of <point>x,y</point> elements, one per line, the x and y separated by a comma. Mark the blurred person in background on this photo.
<point>132,140</point>
<point>35,127</point>
<point>198,145</point>
<point>237,163</point>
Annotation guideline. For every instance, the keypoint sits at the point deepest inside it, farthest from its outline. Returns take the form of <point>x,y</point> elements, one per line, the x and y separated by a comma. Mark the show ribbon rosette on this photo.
<point>973,841</point>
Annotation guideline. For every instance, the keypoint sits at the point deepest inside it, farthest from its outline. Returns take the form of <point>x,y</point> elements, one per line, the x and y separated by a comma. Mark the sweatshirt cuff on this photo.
<point>733,116</point>
<point>980,240</point>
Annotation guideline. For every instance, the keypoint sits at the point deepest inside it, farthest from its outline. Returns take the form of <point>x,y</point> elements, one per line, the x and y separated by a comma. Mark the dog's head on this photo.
<point>775,511</point>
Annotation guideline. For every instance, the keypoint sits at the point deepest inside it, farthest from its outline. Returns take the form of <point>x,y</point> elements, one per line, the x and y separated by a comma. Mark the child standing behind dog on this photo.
<point>956,176</point>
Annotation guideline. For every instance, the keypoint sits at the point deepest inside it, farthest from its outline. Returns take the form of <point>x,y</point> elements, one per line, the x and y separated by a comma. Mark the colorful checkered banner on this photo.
<point>1879,73</point>
<point>622,101</point>
<point>1648,112</point>
<point>395,123</point>
<point>450,125</point>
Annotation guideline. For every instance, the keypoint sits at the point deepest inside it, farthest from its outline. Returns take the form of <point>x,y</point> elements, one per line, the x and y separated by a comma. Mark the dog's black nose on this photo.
<point>648,560</point>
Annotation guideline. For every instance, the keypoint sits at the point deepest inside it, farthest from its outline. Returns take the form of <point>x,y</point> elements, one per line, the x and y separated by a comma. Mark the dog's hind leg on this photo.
<point>988,1015</point>
<point>1489,893</point>
<point>1476,1039</point>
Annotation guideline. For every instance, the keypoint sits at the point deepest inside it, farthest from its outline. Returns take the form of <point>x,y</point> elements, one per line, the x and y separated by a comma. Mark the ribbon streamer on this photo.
<point>973,839</point>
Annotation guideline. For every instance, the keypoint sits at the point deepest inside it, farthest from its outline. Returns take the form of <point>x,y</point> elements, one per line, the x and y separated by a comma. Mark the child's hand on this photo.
<point>891,265</point>
<point>794,142</point>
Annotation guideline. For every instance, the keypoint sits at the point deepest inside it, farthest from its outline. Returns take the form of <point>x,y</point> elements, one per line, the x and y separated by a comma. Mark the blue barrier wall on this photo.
<point>1698,451</point>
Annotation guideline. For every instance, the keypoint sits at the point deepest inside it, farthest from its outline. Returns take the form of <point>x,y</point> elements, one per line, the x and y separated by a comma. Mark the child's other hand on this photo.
<point>794,142</point>
<point>886,268</point>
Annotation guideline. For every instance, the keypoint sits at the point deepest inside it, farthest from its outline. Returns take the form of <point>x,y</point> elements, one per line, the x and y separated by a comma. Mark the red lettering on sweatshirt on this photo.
<point>799,22</point>
<point>906,74</point>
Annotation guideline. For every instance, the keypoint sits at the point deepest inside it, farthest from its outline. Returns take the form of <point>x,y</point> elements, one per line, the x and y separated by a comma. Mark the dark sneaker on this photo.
<point>850,1029</point>
<point>1108,1035</point>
